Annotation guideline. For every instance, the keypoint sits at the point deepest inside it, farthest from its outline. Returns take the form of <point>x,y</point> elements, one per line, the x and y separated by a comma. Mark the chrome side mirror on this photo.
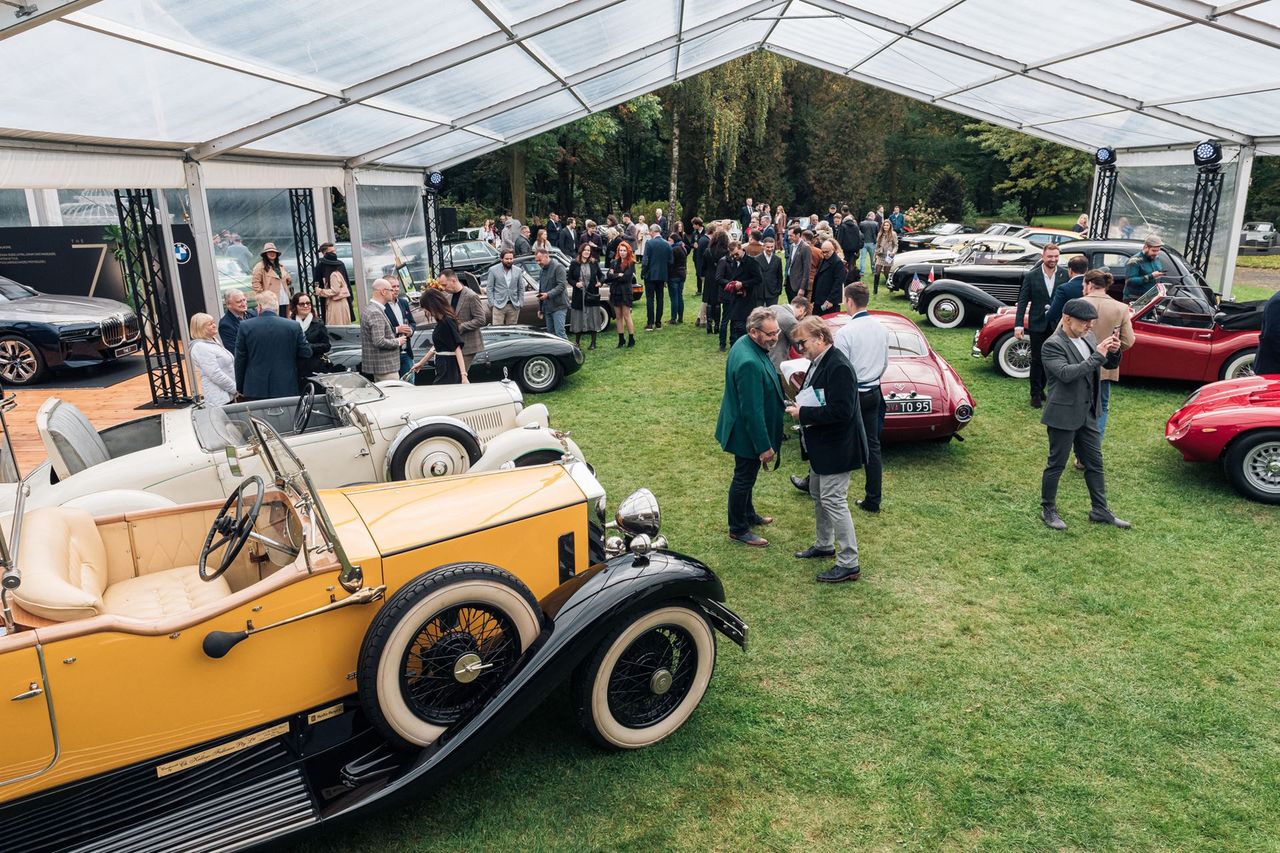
<point>639,514</point>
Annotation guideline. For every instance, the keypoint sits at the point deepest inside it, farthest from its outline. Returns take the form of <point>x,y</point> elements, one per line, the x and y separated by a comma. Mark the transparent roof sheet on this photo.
<point>363,83</point>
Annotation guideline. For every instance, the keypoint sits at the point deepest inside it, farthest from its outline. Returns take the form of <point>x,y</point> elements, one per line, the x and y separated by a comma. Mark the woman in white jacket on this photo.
<point>215,366</point>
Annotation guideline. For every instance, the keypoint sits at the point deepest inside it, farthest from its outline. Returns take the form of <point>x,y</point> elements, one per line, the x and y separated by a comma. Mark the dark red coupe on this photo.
<point>1236,422</point>
<point>926,399</point>
<point>1179,334</point>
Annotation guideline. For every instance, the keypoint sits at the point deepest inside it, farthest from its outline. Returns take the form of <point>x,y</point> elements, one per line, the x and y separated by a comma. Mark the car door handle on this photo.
<point>364,451</point>
<point>34,691</point>
<point>1205,336</point>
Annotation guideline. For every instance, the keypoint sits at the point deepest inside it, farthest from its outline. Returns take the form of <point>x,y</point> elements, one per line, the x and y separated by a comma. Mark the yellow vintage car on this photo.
<point>217,675</point>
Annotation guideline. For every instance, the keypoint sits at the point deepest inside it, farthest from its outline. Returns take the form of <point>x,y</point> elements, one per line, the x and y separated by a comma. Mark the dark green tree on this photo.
<point>948,193</point>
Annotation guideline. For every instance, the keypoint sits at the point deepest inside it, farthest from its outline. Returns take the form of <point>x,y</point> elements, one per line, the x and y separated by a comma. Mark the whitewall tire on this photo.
<point>646,678</point>
<point>441,647</point>
<point>1013,356</point>
<point>946,311</point>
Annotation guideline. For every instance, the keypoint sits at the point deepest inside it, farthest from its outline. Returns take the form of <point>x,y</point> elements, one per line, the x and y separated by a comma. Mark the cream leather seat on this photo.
<point>64,575</point>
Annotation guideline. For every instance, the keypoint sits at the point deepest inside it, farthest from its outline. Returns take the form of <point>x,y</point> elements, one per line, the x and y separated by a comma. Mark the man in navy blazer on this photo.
<point>657,265</point>
<point>400,316</point>
<point>1037,291</point>
<point>267,351</point>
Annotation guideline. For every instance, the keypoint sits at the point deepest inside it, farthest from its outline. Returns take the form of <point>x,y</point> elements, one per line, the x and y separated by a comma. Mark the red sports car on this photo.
<point>1238,422</point>
<point>1179,334</point>
<point>924,396</point>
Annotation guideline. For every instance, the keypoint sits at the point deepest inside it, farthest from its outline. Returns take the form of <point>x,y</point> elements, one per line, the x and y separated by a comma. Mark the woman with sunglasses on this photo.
<point>313,329</point>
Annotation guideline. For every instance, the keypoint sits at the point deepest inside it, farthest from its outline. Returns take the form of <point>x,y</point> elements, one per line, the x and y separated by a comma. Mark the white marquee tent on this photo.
<point>196,94</point>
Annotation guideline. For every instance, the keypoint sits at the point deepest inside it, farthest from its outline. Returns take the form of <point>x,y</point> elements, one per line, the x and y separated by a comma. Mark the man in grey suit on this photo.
<point>1072,361</point>
<point>267,351</point>
<point>471,314</point>
<point>379,344</point>
<point>798,264</point>
<point>553,293</point>
<point>503,285</point>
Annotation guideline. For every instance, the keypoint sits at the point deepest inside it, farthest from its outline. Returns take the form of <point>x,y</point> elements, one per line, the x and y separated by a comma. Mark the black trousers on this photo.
<point>1037,340</point>
<point>1087,442</point>
<point>653,290</point>
<point>741,508</point>
<point>713,317</point>
<point>871,404</point>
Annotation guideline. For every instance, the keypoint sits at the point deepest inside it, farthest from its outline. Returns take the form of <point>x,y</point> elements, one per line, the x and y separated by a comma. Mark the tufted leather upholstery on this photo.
<point>64,574</point>
<point>69,438</point>
<point>161,594</point>
<point>63,564</point>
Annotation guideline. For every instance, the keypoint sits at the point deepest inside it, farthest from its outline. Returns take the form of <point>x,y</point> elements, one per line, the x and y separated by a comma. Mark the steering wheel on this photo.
<point>306,405</point>
<point>234,528</point>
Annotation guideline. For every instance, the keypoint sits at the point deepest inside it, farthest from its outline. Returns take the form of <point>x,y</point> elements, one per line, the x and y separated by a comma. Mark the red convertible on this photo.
<point>925,398</point>
<point>1237,422</point>
<point>1179,334</point>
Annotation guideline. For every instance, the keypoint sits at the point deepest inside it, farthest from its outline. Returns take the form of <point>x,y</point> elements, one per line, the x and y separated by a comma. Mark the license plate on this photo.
<point>917,406</point>
<point>131,348</point>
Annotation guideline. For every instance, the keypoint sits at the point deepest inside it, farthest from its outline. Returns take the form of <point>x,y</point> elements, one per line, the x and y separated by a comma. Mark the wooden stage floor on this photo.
<point>104,407</point>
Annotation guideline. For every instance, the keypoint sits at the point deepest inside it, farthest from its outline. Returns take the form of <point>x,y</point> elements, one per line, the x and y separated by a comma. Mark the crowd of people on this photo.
<point>764,282</point>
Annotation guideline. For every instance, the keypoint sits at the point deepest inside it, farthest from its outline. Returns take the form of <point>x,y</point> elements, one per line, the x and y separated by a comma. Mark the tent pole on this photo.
<point>353,225</point>
<point>1244,170</point>
<point>202,234</point>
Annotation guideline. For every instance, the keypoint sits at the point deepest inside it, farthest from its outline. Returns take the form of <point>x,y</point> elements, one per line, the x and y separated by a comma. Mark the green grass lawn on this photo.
<point>988,684</point>
<point>1256,261</point>
<point>1057,220</point>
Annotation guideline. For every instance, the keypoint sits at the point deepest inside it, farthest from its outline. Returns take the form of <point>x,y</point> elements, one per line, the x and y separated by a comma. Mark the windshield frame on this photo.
<point>291,477</point>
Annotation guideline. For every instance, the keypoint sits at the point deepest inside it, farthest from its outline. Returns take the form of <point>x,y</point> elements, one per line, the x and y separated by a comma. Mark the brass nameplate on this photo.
<point>196,759</point>
<point>324,714</point>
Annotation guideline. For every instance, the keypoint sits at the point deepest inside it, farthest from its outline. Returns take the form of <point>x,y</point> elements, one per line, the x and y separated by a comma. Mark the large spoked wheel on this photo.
<point>1013,356</point>
<point>441,647</point>
<point>1253,465</point>
<point>605,317</point>
<point>946,311</point>
<point>20,362</point>
<point>646,678</point>
<point>1240,364</point>
<point>232,528</point>
<point>434,450</point>
<point>539,373</point>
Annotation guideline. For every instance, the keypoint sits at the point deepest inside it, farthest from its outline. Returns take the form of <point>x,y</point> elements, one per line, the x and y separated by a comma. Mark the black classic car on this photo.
<point>535,359</point>
<point>473,256</point>
<point>39,331</point>
<point>973,286</point>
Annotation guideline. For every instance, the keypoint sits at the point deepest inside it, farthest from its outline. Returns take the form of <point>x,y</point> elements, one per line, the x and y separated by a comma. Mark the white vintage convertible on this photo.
<point>345,429</point>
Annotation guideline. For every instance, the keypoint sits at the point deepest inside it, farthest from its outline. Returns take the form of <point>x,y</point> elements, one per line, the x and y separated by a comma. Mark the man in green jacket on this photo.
<point>750,423</point>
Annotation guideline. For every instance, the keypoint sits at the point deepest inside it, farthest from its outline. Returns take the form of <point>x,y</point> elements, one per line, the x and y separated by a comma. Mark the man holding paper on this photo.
<point>832,439</point>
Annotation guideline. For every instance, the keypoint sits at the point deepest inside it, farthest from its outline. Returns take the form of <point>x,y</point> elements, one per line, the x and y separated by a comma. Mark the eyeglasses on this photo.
<point>302,303</point>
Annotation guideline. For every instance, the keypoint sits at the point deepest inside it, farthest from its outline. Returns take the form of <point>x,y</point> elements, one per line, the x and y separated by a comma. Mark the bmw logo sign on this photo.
<point>182,252</point>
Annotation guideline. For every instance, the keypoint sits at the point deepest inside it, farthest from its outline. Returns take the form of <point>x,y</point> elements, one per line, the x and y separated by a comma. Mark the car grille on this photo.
<point>118,328</point>
<point>487,423</point>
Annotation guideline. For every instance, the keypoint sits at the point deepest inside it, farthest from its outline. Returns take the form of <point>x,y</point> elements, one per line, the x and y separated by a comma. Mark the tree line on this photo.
<point>780,131</point>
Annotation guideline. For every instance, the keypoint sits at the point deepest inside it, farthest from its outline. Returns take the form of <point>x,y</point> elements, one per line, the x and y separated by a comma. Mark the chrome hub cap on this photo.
<point>946,310</point>
<point>660,683</point>
<point>467,668</point>
<point>1262,467</point>
<point>537,372</point>
<point>439,468</point>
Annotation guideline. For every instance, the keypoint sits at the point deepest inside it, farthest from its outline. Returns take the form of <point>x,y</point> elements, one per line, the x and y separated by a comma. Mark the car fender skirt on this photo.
<point>580,614</point>
<point>970,293</point>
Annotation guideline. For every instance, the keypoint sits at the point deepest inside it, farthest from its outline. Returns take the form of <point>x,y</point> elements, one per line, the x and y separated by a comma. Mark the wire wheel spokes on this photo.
<point>652,676</point>
<point>458,658</point>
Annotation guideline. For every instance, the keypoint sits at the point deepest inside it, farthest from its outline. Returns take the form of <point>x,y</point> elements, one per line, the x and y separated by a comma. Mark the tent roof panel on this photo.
<point>473,74</point>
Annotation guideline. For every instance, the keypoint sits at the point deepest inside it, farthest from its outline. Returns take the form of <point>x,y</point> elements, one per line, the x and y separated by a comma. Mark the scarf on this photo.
<point>305,322</point>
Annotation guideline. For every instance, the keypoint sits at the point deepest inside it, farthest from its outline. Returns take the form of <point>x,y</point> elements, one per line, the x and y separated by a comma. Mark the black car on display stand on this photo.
<point>40,331</point>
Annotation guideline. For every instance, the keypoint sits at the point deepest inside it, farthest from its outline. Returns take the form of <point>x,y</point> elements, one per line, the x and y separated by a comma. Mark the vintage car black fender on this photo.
<point>970,302</point>
<point>578,615</point>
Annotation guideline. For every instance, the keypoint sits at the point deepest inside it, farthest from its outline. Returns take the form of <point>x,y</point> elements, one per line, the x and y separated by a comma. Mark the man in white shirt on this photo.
<point>865,343</point>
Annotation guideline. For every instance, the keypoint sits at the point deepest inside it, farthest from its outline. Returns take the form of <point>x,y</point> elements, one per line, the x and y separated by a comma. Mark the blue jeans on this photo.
<point>675,290</point>
<point>868,252</point>
<point>406,362</point>
<point>1105,394</point>
<point>555,323</point>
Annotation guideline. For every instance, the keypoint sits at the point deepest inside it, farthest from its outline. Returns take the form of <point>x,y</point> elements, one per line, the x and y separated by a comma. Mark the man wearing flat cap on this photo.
<point>1073,359</point>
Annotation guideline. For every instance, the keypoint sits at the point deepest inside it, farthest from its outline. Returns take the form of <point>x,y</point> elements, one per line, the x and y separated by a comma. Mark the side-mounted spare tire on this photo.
<point>441,647</point>
<point>434,450</point>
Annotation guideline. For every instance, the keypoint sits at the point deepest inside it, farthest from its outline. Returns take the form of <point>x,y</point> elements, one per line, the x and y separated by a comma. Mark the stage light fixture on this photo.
<point>435,181</point>
<point>1207,153</point>
<point>1104,156</point>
